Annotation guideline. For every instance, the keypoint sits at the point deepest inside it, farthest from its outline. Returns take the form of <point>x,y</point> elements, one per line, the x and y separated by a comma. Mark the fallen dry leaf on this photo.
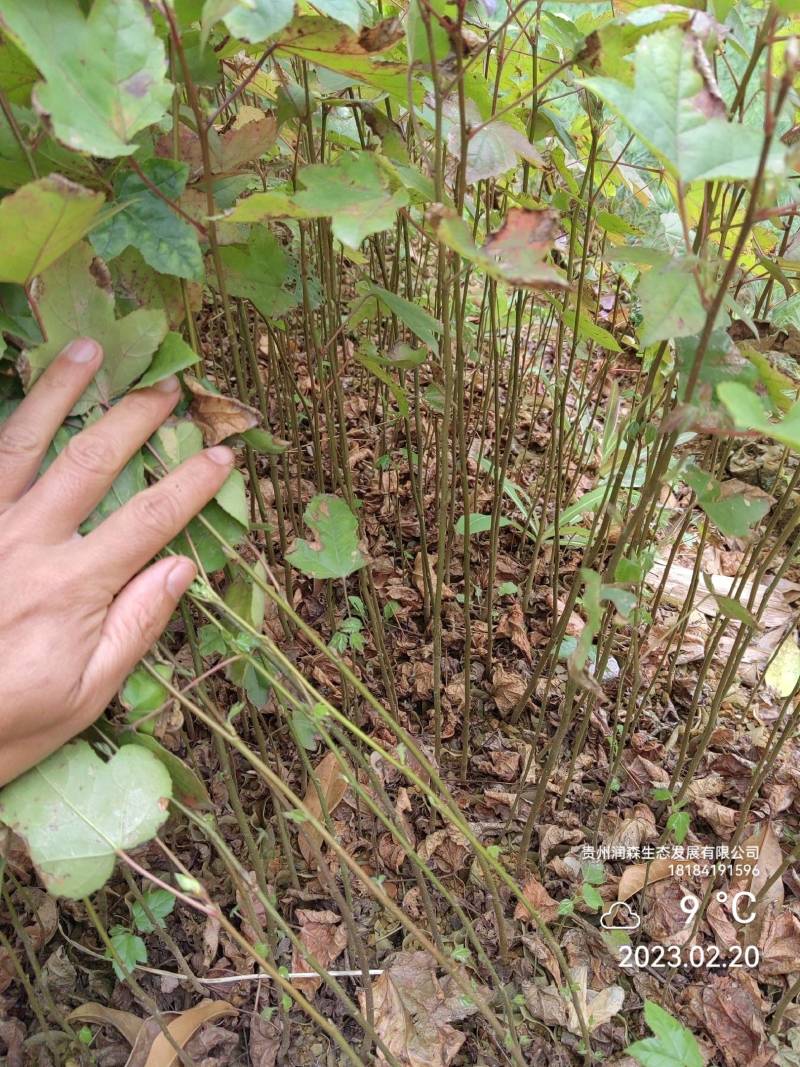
<point>264,1042</point>
<point>182,1028</point>
<point>731,1010</point>
<point>128,1024</point>
<point>554,1006</point>
<point>635,877</point>
<point>770,859</point>
<point>333,786</point>
<point>538,897</point>
<point>446,849</point>
<point>508,687</point>
<point>512,625</point>
<point>218,416</point>
<point>414,1010</point>
<point>325,938</point>
<point>252,133</point>
<point>780,944</point>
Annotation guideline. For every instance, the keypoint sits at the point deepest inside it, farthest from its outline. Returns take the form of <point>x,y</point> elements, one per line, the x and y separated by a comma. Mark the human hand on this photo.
<point>74,621</point>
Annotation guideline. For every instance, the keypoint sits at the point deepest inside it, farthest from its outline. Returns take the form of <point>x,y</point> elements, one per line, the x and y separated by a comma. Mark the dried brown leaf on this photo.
<point>512,625</point>
<point>508,687</point>
<point>414,1010</point>
<point>333,785</point>
<point>324,938</point>
<point>538,897</point>
<point>635,877</point>
<point>218,416</point>
<point>182,1028</point>
<point>125,1022</point>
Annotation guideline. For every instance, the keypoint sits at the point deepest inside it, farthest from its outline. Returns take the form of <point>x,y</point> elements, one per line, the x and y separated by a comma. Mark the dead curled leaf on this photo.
<point>333,786</point>
<point>512,625</point>
<point>635,877</point>
<point>508,688</point>
<point>447,850</point>
<point>128,1024</point>
<point>554,1007</point>
<point>414,1010</point>
<point>731,1010</point>
<point>324,938</point>
<point>780,945</point>
<point>219,416</point>
<point>150,1047</point>
<point>538,897</point>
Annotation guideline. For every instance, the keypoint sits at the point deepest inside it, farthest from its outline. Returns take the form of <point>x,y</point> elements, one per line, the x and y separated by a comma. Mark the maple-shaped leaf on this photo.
<point>675,108</point>
<point>104,72</point>
<point>75,812</point>
<point>73,301</point>
<point>354,192</point>
<point>334,552</point>
<point>41,221</point>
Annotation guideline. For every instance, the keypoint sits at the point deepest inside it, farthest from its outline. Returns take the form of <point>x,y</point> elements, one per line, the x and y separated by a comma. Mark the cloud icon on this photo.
<point>620,910</point>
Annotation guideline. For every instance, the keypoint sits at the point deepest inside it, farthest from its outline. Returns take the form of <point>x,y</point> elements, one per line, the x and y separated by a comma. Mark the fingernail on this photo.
<point>82,350</point>
<point>167,385</point>
<point>180,577</point>
<point>221,454</point>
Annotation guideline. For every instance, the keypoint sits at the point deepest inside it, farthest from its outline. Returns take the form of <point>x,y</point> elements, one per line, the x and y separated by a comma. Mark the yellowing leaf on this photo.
<point>784,670</point>
<point>74,302</point>
<point>40,222</point>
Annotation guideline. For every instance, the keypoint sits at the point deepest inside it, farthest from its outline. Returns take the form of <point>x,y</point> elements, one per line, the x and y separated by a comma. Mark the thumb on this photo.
<point>135,621</point>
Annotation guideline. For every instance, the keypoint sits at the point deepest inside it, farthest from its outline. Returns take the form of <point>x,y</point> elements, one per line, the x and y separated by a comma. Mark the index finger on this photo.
<point>26,435</point>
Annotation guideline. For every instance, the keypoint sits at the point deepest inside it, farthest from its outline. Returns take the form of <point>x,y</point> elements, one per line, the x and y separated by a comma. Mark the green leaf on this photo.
<point>305,729</point>
<point>735,514</point>
<point>479,523</point>
<point>421,323</point>
<point>17,74</point>
<point>671,302</point>
<point>247,599</point>
<point>142,694</point>
<point>323,42</point>
<point>40,222</point>
<point>213,555</point>
<point>747,411</point>
<point>172,356</point>
<point>334,552</point>
<point>368,358</point>
<point>250,20</point>
<point>261,272</point>
<point>104,75</point>
<point>232,498</point>
<point>354,193</point>
<point>166,241</point>
<point>264,441</point>
<point>75,812</point>
<point>129,950</point>
<point>678,824</point>
<point>186,786</point>
<point>160,902</point>
<point>73,303</point>
<point>591,897</point>
<point>346,11</point>
<point>678,113</point>
<point>673,1046</point>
